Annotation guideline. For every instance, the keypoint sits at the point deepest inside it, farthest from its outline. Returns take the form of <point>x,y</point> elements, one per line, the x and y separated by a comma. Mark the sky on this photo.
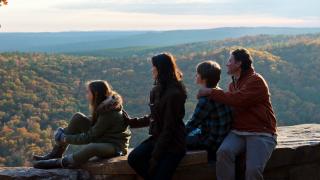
<point>101,15</point>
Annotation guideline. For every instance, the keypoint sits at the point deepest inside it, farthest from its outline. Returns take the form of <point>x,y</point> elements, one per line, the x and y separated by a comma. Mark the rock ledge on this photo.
<point>297,157</point>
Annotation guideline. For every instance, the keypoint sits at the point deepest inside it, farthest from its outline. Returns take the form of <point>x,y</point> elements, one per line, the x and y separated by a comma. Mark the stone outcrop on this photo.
<point>297,157</point>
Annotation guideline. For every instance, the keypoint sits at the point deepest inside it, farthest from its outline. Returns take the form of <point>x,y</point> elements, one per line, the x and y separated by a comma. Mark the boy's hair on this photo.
<point>209,71</point>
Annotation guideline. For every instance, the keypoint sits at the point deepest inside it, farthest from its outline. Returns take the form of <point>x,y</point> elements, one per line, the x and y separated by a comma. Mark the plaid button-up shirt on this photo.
<point>214,121</point>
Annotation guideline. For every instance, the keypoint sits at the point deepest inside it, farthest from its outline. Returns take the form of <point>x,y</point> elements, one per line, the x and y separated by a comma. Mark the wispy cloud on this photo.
<point>67,15</point>
<point>284,8</point>
<point>148,6</point>
<point>54,20</point>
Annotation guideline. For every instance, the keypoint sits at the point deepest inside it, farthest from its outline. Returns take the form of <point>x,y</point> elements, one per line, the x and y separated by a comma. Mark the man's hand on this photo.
<point>204,92</point>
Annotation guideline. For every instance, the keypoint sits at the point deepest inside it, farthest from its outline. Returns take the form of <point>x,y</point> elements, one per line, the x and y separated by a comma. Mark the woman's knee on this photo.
<point>133,158</point>
<point>137,156</point>
<point>79,117</point>
<point>78,123</point>
<point>141,154</point>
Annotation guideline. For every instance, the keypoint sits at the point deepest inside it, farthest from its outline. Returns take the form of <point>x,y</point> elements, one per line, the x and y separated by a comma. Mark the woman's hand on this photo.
<point>126,117</point>
<point>59,135</point>
<point>204,92</point>
<point>135,122</point>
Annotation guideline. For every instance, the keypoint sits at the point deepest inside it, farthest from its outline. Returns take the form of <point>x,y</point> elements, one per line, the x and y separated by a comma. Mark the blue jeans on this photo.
<point>257,148</point>
<point>139,159</point>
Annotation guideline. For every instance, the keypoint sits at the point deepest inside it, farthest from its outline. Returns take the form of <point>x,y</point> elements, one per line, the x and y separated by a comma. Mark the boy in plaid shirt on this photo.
<point>211,121</point>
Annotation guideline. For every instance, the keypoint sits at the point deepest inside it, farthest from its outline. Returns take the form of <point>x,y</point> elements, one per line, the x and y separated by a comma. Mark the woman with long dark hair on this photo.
<point>105,133</point>
<point>159,155</point>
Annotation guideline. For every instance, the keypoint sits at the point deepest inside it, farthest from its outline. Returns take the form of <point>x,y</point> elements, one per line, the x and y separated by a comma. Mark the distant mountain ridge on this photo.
<point>258,41</point>
<point>91,41</point>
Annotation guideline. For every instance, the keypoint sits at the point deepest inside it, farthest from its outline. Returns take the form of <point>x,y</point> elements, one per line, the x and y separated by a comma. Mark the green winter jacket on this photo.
<point>109,127</point>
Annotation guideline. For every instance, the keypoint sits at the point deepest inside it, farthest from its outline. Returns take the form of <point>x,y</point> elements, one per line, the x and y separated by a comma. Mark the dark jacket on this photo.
<point>109,127</point>
<point>167,129</point>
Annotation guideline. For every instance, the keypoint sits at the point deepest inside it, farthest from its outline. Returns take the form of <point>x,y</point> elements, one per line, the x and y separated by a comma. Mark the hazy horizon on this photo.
<point>155,30</point>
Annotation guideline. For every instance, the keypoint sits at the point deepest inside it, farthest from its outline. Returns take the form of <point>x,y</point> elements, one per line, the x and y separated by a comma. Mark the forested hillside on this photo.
<point>40,92</point>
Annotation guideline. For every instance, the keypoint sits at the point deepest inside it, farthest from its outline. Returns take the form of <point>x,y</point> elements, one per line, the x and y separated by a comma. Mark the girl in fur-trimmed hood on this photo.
<point>105,133</point>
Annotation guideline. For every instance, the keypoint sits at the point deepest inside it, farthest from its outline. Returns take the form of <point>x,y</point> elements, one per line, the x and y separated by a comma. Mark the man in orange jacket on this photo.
<point>254,127</point>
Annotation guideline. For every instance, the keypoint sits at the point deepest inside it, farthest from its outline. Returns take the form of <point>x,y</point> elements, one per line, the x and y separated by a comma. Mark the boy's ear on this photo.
<point>205,82</point>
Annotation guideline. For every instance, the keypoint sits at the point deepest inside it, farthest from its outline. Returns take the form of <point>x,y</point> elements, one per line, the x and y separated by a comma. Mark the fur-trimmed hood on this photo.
<point>112,103</point>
